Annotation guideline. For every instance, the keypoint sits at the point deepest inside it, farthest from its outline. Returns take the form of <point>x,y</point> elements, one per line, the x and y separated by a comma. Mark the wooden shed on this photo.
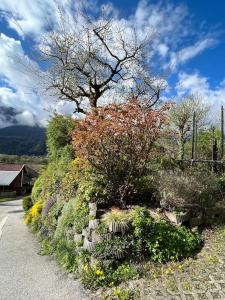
<point>16,179</point>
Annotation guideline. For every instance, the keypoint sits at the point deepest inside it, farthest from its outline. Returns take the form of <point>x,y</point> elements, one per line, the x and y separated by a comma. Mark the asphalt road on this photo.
<point>25,275</point>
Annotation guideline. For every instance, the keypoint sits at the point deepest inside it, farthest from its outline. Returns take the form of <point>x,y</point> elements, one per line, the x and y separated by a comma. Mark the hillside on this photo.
<point>23,140</point>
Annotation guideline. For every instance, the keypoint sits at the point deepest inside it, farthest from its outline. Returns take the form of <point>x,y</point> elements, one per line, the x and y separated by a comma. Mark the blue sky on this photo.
<point>190,44</point>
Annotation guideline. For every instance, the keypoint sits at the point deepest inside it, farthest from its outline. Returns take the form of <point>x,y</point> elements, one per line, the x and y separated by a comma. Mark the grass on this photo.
<point>9,199</point>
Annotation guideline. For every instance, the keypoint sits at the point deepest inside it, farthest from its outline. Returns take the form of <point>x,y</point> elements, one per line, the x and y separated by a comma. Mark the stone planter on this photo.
<point>176,217</point>
<point>117,227</point>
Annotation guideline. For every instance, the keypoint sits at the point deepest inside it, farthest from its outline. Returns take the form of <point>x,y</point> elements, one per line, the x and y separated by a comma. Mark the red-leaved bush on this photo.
<point>118,141</point>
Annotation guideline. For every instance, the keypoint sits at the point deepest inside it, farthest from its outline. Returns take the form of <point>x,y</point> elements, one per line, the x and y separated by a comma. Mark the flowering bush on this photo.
<point>34,213</point>
<point>119,141</point>
<point>50,202</point>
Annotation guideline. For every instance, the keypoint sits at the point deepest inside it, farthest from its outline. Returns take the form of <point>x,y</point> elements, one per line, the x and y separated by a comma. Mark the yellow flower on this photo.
<point>34,212</point>
<point>99,272</point>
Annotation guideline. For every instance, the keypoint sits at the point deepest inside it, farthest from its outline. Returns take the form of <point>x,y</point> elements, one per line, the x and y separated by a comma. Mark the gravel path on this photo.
<point>25,275</point>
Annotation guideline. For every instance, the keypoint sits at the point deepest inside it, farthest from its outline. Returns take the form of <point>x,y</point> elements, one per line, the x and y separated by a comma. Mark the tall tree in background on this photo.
<point>181,116</point>
<point>85,58</point>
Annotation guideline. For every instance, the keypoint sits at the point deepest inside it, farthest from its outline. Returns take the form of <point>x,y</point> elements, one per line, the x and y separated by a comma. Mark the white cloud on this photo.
<point>171,24</point>
<point>189,52</point>
<point>26,118</point>
<point>20,90</point>
<point>196,84</point>
<point>31,17</point>
<point>163,49</point>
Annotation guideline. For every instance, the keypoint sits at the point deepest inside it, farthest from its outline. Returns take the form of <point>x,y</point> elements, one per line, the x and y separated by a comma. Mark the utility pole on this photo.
<point>222,133</point>
<point>213,143</point>
<point>196,141</point>
<point>193,138</point>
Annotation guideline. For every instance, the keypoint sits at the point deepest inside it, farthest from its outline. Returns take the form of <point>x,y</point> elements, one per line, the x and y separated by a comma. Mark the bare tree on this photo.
<point>84,59</point>
<point>181,116</point>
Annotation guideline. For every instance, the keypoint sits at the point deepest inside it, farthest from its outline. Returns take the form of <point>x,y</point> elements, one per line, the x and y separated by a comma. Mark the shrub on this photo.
<point>189,188</point>
<point>124,272</point>
<point>115,248</point>
<point>58,135</point>
<point>75,216</point>
<point>49,224</point>
<point>153,238</point>
<point>161,240</point>
<point>93,276</point>
<point>37,189</point>
<point>27,203</point>
<point>50,202</point>
<point>119,141</point>
<point>66,254</point>
<point>33,216</point>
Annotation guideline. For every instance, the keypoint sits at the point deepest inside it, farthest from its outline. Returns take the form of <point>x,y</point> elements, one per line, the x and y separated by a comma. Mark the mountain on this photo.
<point>23,140</point>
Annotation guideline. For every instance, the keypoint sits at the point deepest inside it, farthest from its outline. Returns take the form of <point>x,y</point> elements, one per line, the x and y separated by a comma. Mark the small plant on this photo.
<point>117,220</point>
<point>125,294</point>
<point>115,248</point>
<point>161,240</point>
<point>190,188</point>
<point>50,202</point>
<point>125,272</point>
<point>94,277</point>
<point>27,203</point>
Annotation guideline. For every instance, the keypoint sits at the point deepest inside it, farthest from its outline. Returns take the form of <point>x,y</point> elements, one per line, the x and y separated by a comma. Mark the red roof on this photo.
<point>10,167</point>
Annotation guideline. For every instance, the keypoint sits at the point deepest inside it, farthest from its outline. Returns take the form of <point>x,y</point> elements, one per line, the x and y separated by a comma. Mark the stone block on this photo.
<point>78,238</point>
<point>93,224</point>
<point>92,206</point>
<point>93,213</point>
<point>176,217</point>
<point>96,237</point>
<point>86,232</point>
<point>88,245</point>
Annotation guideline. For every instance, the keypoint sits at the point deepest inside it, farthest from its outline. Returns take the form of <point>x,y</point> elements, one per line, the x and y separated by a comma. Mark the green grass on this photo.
<point>9,199</point>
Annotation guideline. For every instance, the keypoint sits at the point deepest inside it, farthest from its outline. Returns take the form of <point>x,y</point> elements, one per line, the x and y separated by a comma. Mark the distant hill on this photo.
<point>23,140</point>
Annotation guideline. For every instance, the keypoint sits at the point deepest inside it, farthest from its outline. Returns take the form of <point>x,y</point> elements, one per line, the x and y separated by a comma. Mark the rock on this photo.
<point>94,261</point>
<point>196,221</point>
<point>96,238</point>
<point>177,218</point>
<point>78,238</point>
<point>92,206</point>
<point>93,213</point>
<point>86,233</point>
<point>194,229</point>
<point>90,246</point>
<point>93,224</point>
